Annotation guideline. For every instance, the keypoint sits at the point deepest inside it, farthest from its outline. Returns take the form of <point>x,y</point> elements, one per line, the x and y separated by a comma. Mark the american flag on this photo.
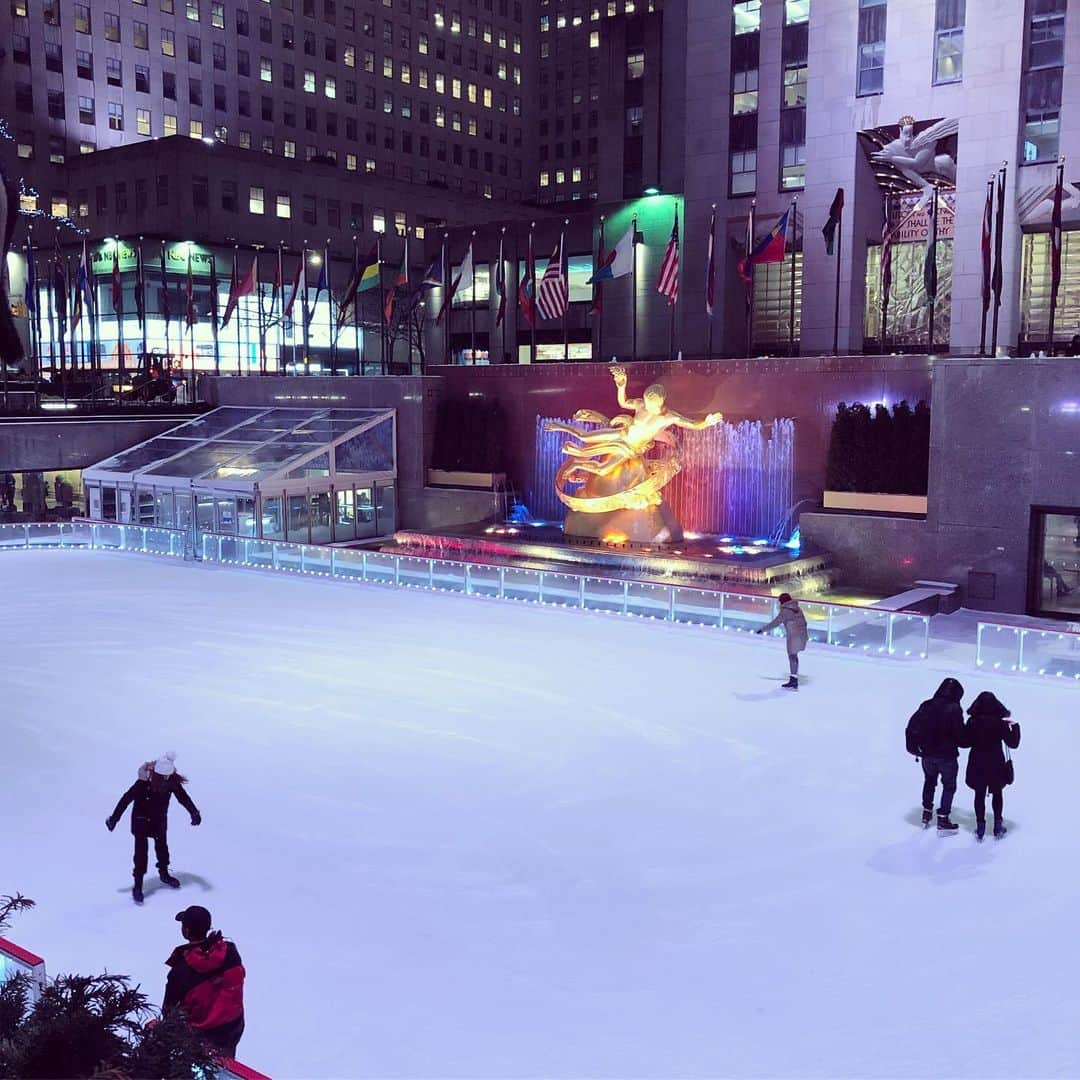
<point>553,296</point>
<point>668,285</point>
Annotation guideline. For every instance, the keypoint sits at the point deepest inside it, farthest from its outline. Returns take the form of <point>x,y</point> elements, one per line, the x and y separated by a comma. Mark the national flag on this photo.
<point>602,263</point>
<point>401,281</point>
<point>620,260</point>
<point>86,280</point>
<point>553,296</point>
<point>323,284</point>
<point>886,269</point>
<point>668,285</point>
<point>59,284</point>
<point>163,297</point>
<point>771,248</point>
<point>930,271</point>
<point>140,287</point>
<point>527,286</point>
<point>745,267</point>
<point>191,316</point>
<point>365,276</point>
<point>433,275</point>
<point>710,268</point>
<point>462,282</point>
<point>500,282</point>
<point>996,278</point>
<point>278,296</point>
<point>238,286</point>
<point>836,212</point>
<point>987,240</point>
<point>30,288</point>
<point>117,285</point>
<point>214,294</point>
<point>76,303</point>
<point>295,291</point>
<point>1055,243</point>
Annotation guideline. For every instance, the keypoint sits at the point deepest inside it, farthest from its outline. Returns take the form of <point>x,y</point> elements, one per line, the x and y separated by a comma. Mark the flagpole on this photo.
<point>532,275</point>
<point>988,228</point>
<point>750,284</point>
<point>260,314</point>
<point>1055,253</point>
<point>998,269</point>
<point>791,304</point>
<point>35,304</point>
<point>447,298</point>
<point>165,291</point>
<point>633,287</point>
<point>472,306</point>
<point>329,306</point>
<point>709,269</point>
<point>281,309</point>
<point>118,311</point>
<point>305,317</point>
<point>236,308</point>
<point>598,291</point>
<point>502,298</point>
<point>886,280</point>
<point>384,327</point>
<point>674,300</point>
<point>50,293</point>
<point>214,312</point>
<point>933,244</point>
<point>836,292</point>
<point>356,312</point>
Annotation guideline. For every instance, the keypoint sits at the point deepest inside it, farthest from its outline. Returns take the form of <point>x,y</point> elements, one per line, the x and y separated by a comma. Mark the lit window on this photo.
<point>594,39</point>
<point>369,165</point>
<point>330,87</point>
<point>168,43</point>
<point>289,149</point>
<point>256,197</point>
<point>142,121</point>
<point>871,74</point>
<point>350,163</point>
<point>116,116</point>
<point>796,11</point>
<point>545,179</point>
<point>28,204</point>
<point>195,129</point>
<point>217,15</point>
<point>560,176</point>
<point>309,81</point>
<point>388,67</point>
<point>419,232</point>
<point>169,124</point>
<point>193,10</point>
<point>284,204</point>
<point>747,16</point>
<point>635,65</point>
<point>405,71</point>
<point>744,92</point>
<point>59,206</point>
<point>350,56</point>
<point>743,172</point>
<point>378,221</point>
<point>266,69</point>
<point>949,41</point>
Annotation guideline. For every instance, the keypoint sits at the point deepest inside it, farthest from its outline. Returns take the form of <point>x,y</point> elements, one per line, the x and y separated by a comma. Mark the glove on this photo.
<point>110,823</point>
<point>759,631</point>
<point>196,818</point>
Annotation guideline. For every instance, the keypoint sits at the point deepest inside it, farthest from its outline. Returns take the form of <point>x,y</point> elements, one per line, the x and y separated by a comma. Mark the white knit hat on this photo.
<point>164,765</point>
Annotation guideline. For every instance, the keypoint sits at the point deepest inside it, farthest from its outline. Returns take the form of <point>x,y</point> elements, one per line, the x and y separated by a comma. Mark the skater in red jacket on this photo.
<point>206,982</point>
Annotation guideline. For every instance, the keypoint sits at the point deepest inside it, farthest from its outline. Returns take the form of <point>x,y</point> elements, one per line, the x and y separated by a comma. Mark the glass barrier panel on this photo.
<point>817,620</point>
<point>259,553</point>
<point>862,629</point>
<point>998,647</point>
<point>289,556</point>
<point>603,594</point>
<point>414,571</point>
<point>650,601</point>
<point>697,606</point>
<point>1050,652</point>
<point>521,584</point>
<point>381,567</point>
<point>230,549</point>
<point>448,575</point>
<point>910,634</point>
<point>484,580</point>
<point>42,535</point>
<point>564,589</point>
<point>77,534</point>
<point>316,559</point>
<point>747,612</point>
<point>108,535</point>
<point>349,563</point>
<point>13,536</point>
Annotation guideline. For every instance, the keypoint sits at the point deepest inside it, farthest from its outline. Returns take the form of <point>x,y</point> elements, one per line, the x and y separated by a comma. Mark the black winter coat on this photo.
<point>150,808</point>
<point>940,722</point>
<point>987,729</point>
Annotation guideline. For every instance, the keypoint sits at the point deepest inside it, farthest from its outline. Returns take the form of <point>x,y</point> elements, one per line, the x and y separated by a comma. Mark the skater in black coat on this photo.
<point>936,732</point>
<point>149,799</point>
<point>989,727</point>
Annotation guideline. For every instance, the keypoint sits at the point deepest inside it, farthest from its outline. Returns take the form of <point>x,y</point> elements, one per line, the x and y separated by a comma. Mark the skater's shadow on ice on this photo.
<point>942,859</point>
<point>186,881</point>
<point>765,695</point>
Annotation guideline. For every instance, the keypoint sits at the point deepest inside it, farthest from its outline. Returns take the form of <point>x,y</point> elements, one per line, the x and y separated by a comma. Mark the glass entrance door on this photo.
<point>1054,574</point>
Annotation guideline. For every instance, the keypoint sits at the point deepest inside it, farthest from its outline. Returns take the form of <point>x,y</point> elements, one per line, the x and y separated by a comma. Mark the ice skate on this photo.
<point>945,827</point>
<point>136,891</point>
<point>791,684</point>
<point>167,879</point>
<point>980,831</point>
<point>999,830</point>
<point>927,817</point>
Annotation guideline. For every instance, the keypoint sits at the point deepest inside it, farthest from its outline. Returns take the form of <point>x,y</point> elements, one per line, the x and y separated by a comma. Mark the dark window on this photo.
<point>242,21</point>
<point>142,79</point>
<point>229,196</point>
<point>200,192</point>
<point>168,85</point>
<point>307,212</point>
<point>162,189</point>
<point>194,50</point>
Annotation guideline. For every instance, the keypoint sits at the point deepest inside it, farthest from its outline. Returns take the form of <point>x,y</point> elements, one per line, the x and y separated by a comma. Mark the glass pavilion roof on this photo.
<point>254,445</point>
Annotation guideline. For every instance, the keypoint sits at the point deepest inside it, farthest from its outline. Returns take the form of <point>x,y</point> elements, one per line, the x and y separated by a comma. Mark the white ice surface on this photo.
<point>463,838</point>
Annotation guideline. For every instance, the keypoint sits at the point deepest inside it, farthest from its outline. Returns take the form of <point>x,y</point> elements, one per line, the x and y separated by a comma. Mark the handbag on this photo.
<point>1010,772</point>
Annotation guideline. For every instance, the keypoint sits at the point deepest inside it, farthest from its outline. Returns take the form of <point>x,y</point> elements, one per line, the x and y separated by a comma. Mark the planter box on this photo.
<point>452,478</point>
<point>875,503</point>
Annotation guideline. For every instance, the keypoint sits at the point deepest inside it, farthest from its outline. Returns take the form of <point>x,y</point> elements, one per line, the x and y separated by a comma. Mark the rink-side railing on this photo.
<point>1032,650</point>
<point>868,630</point>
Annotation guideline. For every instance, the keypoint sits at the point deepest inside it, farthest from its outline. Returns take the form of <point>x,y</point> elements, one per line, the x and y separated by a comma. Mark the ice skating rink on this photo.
<point>457,838</point>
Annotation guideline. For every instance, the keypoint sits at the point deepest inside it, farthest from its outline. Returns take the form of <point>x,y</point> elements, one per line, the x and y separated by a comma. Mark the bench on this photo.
<point>924,601</point>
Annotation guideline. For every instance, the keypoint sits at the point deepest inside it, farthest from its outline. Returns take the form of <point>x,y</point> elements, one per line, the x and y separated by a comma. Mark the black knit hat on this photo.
<point>196,919</point>
<point>987,705</point>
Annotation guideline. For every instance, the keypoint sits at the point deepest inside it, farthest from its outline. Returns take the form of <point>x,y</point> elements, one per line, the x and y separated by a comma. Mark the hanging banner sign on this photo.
<point>176,258</point>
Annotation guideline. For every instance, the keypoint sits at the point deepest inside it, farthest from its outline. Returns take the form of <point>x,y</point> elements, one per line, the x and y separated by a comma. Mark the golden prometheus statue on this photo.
<point>618,486</point>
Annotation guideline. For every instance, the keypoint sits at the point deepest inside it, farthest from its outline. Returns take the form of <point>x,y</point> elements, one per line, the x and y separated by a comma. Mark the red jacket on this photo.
<point>206,981</point>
